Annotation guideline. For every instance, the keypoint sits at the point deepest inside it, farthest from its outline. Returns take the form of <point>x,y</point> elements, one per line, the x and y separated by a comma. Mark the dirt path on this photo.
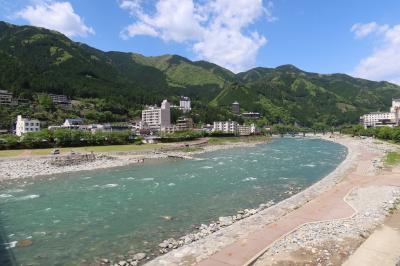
<point>328,206</point>
<point>25,153</point>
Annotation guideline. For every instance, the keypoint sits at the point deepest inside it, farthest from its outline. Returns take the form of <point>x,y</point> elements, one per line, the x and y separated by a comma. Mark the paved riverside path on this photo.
<point>327,206</point>
<point>381,248</point>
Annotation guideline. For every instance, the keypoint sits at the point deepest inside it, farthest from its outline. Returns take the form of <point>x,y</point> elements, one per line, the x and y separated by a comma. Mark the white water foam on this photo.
<point>27,197</point>
<point>11,244</point>
<point>171,184</point>
<point>247,179</point>
<point>6,196</point>
<point>147,179</point>
<point>106,186</point>
<point>128,178</point>
<point>206,167</point>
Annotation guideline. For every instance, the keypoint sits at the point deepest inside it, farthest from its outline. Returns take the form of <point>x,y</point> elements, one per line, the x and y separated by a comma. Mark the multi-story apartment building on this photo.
<point>25,125</point>
<point>246,130</point>
<point>185,104</point>
<point>157,118</point>
<point>184,123</point>
<point>229,127</point>
<point>60,99</point>
<point>5,97</point>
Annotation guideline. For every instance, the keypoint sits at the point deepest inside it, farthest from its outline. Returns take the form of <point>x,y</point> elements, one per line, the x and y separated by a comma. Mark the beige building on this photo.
<point>247,130</point>
<point>157,118</point>
<point>5,97</point>
<point>25,125</point>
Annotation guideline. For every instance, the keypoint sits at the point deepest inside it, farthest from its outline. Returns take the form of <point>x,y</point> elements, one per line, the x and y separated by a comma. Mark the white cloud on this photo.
<point>215,30</point>
<point>384,62</point>
<point>58,16</point>
<point>362,30</point>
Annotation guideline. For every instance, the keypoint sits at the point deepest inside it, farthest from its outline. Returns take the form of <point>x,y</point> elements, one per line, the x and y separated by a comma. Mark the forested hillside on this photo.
<point>115,85</point>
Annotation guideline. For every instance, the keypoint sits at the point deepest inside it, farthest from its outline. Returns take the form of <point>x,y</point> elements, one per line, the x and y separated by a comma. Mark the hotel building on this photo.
<point>157,118</point>
<point>25,125</point>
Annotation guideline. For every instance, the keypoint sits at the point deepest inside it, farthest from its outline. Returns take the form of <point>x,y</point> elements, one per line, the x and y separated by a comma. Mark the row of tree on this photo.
<point>66,138</point>
<point>384,133</point>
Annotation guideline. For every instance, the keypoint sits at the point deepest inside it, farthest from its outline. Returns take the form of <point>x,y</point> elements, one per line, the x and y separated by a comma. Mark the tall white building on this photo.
<point>396,110</point>
<point>231,127</point>
<point>185,104</point>
<point>25,125</point>
<point>157,118</point>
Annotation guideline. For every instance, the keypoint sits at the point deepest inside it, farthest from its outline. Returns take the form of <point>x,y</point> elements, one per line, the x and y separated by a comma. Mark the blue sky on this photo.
<point>358,37</point>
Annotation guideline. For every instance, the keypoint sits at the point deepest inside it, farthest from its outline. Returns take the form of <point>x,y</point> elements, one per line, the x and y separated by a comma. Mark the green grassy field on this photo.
<point>111,148</point>
<point>392,158</point>
<point>10,153</point>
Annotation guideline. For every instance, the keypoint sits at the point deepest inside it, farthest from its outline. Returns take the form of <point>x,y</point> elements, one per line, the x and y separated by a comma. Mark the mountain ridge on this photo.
<point>36,59</point>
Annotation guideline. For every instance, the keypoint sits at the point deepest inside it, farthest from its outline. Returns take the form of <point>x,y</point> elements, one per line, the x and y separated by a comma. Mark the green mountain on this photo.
<point>35,60</point>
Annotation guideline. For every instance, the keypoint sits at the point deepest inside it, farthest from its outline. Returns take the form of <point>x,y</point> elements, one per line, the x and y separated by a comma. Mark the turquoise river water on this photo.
<point>79,216</point>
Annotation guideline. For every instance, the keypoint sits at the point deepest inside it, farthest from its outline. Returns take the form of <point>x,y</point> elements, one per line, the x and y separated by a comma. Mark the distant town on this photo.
<point>155,120</point>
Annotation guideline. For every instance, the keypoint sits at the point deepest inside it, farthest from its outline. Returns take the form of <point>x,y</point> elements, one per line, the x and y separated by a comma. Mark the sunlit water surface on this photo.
<point>80,216</point>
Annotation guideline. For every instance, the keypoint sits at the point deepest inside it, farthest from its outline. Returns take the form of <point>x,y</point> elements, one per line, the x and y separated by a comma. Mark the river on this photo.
<point>75,217</point>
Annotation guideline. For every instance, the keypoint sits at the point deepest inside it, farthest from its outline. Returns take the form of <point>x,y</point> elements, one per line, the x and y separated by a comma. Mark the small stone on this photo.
<point>139,256</point>
<point>163,245</point>
<point>105,261</point>
<point>122,263</point>
<point>167,218</point>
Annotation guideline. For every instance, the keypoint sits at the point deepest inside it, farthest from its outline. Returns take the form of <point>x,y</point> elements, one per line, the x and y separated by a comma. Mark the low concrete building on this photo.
<point>25,125</point>
<point>72,123</point>
<point>60,100</point>
<point>6,97</point>
<point>251,115</point>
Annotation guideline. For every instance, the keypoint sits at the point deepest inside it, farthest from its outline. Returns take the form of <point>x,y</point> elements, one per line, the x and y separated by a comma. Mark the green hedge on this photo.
<point>65,138</point>
<point>384,133</point>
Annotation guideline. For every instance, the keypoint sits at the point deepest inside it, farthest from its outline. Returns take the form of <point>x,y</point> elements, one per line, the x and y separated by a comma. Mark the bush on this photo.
<point>65,138</point>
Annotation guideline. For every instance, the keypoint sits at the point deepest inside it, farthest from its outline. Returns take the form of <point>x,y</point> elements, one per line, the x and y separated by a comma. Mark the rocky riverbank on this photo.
<point>214,237</point>
<point>19,168</point>
<point>331,242</point>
